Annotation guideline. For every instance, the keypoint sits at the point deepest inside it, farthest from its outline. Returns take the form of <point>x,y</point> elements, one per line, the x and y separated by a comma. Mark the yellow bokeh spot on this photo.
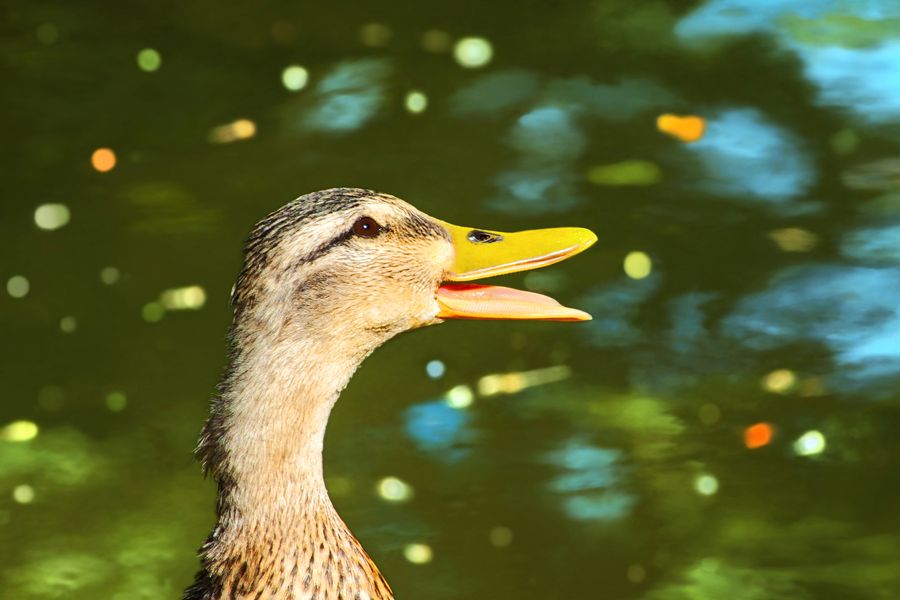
<point>418,554</point>
<point>23,494</point>
<point>473,52</point>
<point>294,78</point>
<point>19,431</point>
<point>794,239</point>
<point>637,265</point>
<point>416,102</point>
<point>687,128</point>
<point>810,443</point>
<point>51,216</point>
<point>393,489</point>
<point>500,537</point>
<point>18,286</point>
<point>459,396</point>
<point>779,381</point>
<point>191,297</point>
<point>513,383</point>
<point>706,485</point>
<point>242,129</point>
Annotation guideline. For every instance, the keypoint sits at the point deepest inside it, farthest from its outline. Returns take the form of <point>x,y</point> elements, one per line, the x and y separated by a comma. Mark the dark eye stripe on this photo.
<point>327,247</point>
<point>414,227</point>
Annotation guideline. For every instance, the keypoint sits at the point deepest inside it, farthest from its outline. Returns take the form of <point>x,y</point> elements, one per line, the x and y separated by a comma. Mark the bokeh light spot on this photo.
<point>779,381</point>
<point>810,443</point>
<point>500,537</point>
<point>51,216</point>
<point>636,573</point>
<point>513,383</point>
<point>19,431</point>
<point>103,160</point>
<point>460,396</point>
<point>294,78</point>
<point>435,369</point>
<point>794,239</point>
<point>68,324</point>
<point>437,41</point>
<point>191,297</point>
<point>637,265</point>
<point>23,494</point>
<point>416,102</point>
<point>473,52</point>
<point>18,286</point>
<point>627,172</point>
<point>116,401</point>
<point>758,435</point>
<point>242,129</point>
<point>688,128</point>
<point>393,489</point>
<point>149,60</point>
<point>109,275</point>
<point>375,35</point>
<point>153,312</point>
<point>418,554</point>
<point>706,485</point>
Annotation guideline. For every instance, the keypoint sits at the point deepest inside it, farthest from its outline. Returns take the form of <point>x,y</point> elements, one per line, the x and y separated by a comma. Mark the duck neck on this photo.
<point>278,534</point>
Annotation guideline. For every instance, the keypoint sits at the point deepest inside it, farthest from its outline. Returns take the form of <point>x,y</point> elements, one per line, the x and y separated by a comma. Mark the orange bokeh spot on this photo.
<point>687,129</point>
<point>758,435</point>
<point>103,159</point>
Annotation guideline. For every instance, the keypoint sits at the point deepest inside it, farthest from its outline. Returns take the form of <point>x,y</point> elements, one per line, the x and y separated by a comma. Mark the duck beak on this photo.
<point>479,253</point>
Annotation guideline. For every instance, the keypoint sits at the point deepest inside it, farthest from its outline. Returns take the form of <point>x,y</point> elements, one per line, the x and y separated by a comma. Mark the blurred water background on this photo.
<point>726,427</point>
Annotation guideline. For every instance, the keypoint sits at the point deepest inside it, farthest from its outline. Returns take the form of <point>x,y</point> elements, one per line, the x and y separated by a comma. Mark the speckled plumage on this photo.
<point>311,302</point>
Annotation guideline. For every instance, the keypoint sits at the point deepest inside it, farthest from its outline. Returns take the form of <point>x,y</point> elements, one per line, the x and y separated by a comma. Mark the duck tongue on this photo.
<point>474,301</point>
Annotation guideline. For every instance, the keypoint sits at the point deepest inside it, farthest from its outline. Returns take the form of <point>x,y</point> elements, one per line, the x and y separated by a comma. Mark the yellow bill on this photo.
<point>481,253</point>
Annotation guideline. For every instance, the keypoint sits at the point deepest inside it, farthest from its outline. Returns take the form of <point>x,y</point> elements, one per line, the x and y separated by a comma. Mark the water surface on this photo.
<point>726,427</point>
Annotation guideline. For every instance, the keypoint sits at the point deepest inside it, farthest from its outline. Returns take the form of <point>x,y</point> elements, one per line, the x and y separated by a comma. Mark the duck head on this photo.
<point>364,266</point>
<point>326,280</point>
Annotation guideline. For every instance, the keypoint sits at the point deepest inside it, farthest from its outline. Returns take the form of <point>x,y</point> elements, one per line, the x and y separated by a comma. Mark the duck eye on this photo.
<point>366,227</point>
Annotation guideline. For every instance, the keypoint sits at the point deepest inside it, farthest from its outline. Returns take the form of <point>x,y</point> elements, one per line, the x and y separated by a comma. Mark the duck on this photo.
<point>325,280</point>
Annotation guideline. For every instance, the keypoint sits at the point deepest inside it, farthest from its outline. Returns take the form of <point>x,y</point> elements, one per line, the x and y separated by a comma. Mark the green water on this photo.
<point>772,296</point>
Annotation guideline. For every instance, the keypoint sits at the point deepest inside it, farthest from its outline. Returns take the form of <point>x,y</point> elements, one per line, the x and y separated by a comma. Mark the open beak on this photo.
<point>480,253</point>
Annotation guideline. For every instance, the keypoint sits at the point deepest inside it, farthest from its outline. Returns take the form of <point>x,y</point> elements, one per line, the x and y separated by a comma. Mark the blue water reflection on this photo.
<point>747,157</point>
<point>348,97</point>
<point>495,93</point>
<point>614,307</point>
<point>550,137</point>
<point>853,311</point>
<point>864,80</point>
<point>589,480</point>
<point>440,430</point>
<point>876,245</point>
<point>846,46</point>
